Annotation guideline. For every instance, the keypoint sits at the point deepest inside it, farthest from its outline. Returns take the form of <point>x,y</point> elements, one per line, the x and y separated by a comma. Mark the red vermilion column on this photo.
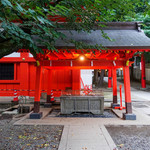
<point>109,78</point>
<point>38,89</point>
<point>24,80</point>
<point>24,74</point>
<point>127,90</point>
<point>49,88</point>
<point>76,85</point>
<point>143,77</point>
<point>114,86</point>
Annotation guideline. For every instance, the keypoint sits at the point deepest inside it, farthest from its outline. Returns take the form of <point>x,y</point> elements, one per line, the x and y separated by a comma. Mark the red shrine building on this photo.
<point>60,70</point>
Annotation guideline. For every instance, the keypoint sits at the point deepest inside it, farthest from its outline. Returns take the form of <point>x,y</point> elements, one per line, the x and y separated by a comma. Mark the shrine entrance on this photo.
<point>77,60</point>
<point>117,54</point>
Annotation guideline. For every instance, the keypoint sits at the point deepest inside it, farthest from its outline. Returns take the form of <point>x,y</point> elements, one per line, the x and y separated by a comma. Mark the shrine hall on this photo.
<point>126,39</point>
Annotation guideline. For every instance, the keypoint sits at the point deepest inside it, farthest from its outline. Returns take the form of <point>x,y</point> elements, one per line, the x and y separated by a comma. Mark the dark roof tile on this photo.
<point>121,38</point>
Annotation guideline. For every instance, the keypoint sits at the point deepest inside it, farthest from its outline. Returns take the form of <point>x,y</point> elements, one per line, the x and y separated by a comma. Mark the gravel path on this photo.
<point>107,114</point>
<point>130,137</point>
<point>28,137</point>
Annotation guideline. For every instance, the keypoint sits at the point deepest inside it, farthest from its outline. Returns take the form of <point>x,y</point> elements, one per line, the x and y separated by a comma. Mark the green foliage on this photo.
<point>146,25</point>
<point>36,29</point>
<point>142,15</point>
<point>141,7</point>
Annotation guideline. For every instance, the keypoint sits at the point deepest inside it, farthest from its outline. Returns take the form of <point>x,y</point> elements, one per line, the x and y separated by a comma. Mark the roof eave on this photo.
<point>112,47</point>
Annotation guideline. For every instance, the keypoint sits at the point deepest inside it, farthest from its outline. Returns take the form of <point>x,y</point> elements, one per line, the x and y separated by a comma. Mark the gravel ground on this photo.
<point>130,137</point>
<point>28,137</point>
<point>107,114</point>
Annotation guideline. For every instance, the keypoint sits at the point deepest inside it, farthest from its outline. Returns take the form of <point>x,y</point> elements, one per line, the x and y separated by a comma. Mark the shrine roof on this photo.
<point>124,35</point>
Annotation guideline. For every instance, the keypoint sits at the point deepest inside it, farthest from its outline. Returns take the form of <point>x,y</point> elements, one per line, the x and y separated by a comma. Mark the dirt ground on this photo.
<point>130,137</point>
<point>28,137</point>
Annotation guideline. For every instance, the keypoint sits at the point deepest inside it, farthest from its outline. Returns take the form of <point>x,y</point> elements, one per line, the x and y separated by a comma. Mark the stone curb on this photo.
<point>108,138</point>
<point>64,138</point>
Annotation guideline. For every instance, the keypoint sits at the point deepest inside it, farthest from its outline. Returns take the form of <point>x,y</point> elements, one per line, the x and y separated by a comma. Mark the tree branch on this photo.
<point>57,2</point>
<point>7,48</point>
<point>19,16</point>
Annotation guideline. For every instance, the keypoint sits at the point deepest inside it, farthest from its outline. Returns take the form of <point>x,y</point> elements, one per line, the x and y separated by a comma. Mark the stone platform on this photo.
<point>73,104</point>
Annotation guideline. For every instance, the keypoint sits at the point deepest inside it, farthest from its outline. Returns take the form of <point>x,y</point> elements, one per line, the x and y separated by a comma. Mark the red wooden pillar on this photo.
<point>38,89</point>
<point>128,115</point>
<point>109,78</point>
<point>143,77</point>
<point>24,78</point>
<point>49,88</point>
<point>114,86</point>
<point>76,85</point>
<point>24,74</point>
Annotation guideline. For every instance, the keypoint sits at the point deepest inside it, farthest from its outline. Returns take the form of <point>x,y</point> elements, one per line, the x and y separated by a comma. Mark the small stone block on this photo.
<point>23,109</point>
<point>129,116</point>
<point>36,115</point>
<point>7,116</point>
<point>13,103</point>
<point>26,109</point>
<point>143,89</point>
<point>113,105</point>
<point>47,105</point>
<point>109,88</point>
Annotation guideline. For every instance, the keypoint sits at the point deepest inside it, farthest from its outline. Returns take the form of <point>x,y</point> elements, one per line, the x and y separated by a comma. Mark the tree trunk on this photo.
<point>95,79</point>
<point>131,75</point>
<point>101,80</point>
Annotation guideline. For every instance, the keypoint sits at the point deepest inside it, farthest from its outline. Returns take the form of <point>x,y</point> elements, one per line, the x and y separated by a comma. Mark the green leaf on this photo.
<point>6,3</point>
<point>19,8</point>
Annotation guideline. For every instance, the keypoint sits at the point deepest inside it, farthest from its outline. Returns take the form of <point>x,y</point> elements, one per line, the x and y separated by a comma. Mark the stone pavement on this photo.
<point>86,138</point>
<point>90,133</point>
<point>86,133</point>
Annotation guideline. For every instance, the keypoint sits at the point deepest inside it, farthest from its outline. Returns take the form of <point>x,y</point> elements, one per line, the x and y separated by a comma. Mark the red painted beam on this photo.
<point>85,64</point>
<point>81,67</point>
<point>16,59</point>
<point>10,81</point>
<point>112,54</point>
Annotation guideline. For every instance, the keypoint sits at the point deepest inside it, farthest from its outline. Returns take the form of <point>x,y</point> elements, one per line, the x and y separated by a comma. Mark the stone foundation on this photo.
<point>129,116</point>
<point>36,115</point>
<point>72,104</point>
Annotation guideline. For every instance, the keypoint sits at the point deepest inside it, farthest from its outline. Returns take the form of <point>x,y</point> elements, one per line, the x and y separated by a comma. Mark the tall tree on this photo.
<point>21,20</point>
